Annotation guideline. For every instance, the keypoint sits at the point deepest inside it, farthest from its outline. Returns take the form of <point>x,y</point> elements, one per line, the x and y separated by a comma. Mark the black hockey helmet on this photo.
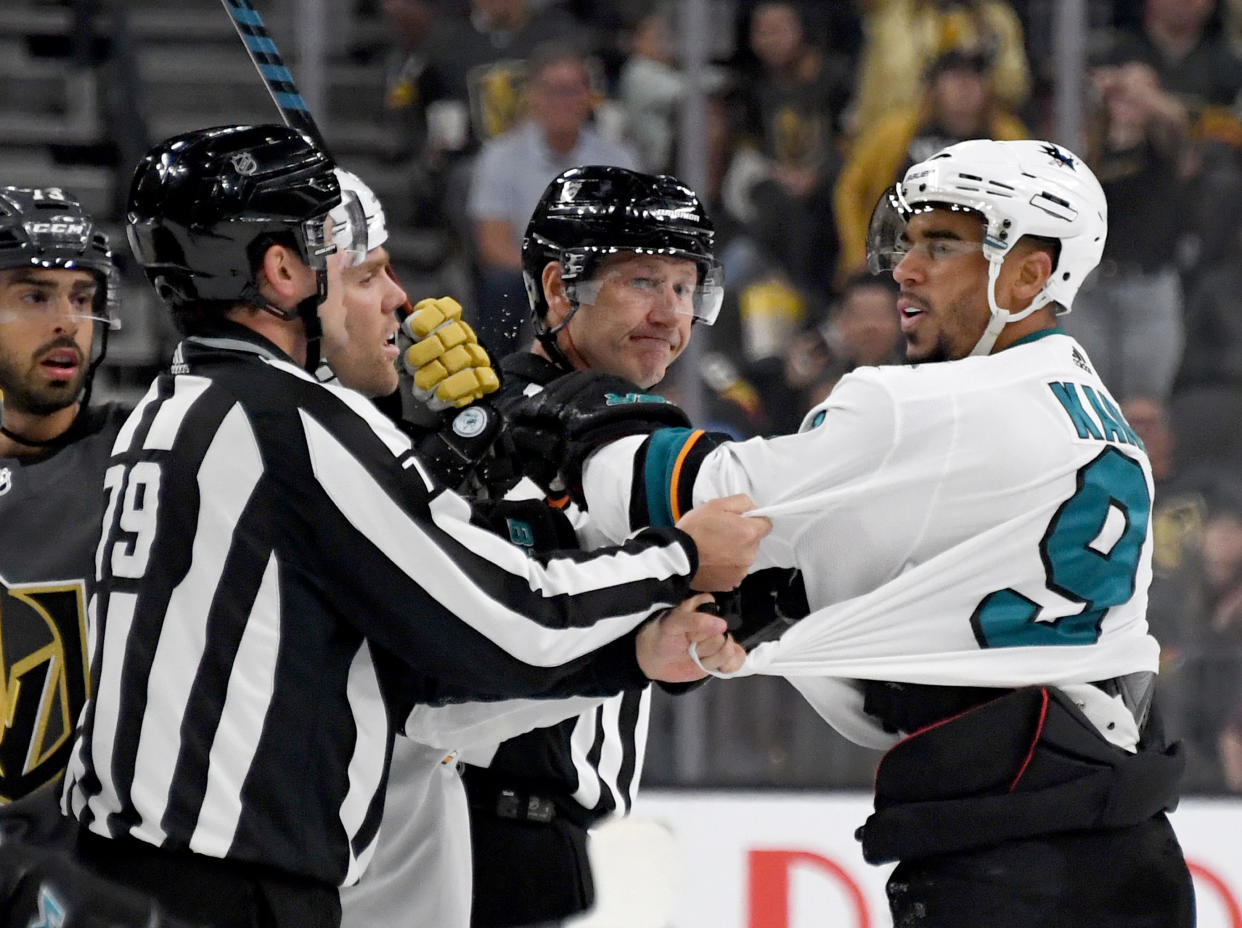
<point>47,227</point>
<point>200,203</point>
<point>587,213</point>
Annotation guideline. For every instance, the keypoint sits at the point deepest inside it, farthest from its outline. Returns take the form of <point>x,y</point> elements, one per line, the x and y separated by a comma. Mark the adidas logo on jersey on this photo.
<point>178,365</point>
<point>1080,359</point>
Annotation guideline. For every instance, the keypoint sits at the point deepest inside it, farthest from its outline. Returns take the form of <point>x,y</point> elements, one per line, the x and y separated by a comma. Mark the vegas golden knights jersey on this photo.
<point>50,509</point>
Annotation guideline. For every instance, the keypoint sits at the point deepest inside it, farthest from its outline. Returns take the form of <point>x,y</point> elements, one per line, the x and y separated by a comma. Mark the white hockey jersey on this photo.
<point>978,522</point>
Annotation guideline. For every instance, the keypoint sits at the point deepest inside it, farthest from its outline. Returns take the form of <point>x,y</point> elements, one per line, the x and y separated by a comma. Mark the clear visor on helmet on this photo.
<point>887,243</point>
<point>698,293</point>
<point>320,241</point>
<point>888,239</point>
<point>91,301</point>
<point>349,228</point>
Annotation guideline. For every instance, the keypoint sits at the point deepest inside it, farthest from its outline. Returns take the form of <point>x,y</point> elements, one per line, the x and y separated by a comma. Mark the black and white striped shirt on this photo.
<point>278,579</point>
<point>588,765</point>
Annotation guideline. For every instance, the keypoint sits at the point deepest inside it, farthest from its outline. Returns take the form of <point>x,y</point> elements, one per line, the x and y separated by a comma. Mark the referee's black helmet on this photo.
<point>204,205</point>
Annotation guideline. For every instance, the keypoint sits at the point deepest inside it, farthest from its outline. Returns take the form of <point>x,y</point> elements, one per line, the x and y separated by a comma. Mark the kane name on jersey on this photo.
<point>1093,414</point>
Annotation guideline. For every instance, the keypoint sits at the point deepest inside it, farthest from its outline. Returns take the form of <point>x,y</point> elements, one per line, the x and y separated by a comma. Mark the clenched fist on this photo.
<point>443,355</point>
<point>663,645</point>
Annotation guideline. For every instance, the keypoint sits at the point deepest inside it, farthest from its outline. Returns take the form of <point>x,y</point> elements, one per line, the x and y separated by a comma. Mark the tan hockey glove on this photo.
<point>443,356</point>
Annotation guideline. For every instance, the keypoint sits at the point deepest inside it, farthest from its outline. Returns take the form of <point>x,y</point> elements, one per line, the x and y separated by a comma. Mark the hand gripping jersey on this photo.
<point>977,522</point>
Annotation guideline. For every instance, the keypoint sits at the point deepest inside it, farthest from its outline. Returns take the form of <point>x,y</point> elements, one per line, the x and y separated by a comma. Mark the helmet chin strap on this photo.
<point>33,442</point>
<point>548,337</point>
<point>1002,317</point>
<point>307,310</point>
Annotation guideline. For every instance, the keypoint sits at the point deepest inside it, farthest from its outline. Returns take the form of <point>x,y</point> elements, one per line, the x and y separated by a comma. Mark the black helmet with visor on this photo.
<point>203,204</point>
<point>588,213</point>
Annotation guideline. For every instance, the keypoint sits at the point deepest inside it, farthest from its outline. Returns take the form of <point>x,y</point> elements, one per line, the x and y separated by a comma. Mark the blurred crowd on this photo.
<point>813,109</point>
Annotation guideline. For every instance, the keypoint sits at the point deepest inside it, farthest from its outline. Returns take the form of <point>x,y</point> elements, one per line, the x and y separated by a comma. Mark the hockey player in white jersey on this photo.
<point>973,531</point>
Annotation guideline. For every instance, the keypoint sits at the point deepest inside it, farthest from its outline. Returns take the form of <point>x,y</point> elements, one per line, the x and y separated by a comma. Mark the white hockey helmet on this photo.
<point>1024,187</point>
<point>359,210</point>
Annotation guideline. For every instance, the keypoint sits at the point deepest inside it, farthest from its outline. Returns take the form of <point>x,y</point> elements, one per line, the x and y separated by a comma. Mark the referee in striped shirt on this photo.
<point>620,268</point>
<point>278,579</point>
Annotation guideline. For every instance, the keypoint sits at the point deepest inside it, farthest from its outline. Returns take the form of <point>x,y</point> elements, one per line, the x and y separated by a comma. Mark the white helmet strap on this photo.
<point>1002,317</point>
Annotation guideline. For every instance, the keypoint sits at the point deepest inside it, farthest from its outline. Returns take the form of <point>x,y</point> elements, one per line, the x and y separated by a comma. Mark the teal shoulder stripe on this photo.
<point>662,450</point>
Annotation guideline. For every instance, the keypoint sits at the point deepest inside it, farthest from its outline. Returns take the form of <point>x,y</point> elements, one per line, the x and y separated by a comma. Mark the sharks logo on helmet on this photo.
<point>1061,157</point>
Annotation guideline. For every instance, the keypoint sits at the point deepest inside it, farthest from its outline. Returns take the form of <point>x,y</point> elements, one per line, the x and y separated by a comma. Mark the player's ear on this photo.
<point>1033,267</point>
<point>555,292</point>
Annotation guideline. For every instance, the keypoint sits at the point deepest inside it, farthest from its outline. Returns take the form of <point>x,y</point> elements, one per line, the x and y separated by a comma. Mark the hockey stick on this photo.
<point>279,81</point>
<point>271,67</point>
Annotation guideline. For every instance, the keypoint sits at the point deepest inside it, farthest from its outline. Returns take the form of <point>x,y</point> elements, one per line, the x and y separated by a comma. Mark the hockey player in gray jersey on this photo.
<point>58,296</point>
<point>974,530</point>
<point>57,304</point>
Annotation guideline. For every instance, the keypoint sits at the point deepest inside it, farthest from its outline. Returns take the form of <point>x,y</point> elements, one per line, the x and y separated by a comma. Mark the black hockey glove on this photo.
<point>461,445</point>
<point>554,431</point>
<point>528,523</point>
<point>767,604</point>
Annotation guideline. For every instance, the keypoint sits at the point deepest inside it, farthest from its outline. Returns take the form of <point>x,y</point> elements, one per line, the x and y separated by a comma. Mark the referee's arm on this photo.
<point>454,599</point>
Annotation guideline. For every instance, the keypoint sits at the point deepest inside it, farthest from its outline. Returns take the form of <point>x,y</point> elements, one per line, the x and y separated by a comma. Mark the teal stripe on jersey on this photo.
<point>662,450</point>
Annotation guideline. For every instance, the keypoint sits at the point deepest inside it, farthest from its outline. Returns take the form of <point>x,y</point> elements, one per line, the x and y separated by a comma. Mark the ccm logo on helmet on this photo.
<point>56,228</point>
